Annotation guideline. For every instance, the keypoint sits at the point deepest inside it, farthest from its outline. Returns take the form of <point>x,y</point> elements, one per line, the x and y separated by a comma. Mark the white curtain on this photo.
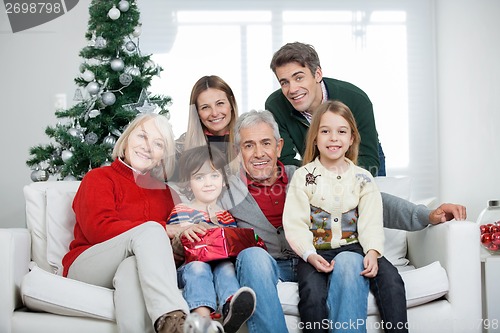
<point>384,47</point>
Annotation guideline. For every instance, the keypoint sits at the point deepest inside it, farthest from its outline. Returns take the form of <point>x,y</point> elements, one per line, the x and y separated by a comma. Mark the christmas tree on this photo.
<point>112,91</point>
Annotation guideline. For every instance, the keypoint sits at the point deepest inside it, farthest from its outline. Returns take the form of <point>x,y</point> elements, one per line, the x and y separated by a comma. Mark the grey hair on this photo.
<point>252,118</point>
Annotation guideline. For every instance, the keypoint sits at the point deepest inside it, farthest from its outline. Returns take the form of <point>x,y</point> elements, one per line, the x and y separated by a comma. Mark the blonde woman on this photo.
<point>212,114</point>
<point>120,236</point>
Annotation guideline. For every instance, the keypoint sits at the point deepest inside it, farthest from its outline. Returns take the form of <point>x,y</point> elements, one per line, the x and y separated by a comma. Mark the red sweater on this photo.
<point>112,200</point>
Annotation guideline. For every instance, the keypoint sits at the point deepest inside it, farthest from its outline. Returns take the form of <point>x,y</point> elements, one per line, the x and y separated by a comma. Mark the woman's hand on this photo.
<point>192,232</point>
<point>370,262</point>
<point>320,263</point>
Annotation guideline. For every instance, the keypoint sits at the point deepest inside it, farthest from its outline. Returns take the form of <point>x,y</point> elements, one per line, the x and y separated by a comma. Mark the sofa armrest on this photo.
<point>15,248</point>
<point>455,245</point>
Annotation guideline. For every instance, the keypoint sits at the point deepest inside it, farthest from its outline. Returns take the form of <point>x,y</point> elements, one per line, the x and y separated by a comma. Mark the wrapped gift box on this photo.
<point>220,243</point>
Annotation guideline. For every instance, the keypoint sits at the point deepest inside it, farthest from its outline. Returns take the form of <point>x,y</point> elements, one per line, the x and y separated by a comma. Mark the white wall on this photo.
<point>468,63</point>
<point>38,64</point>
<point>35,65</point>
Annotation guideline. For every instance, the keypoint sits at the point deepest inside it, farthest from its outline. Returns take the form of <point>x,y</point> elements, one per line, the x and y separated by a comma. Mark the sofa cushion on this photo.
<point>60,224</point>
<point>395,245</point>
<point>50,220</point>
<point>48,292</point>
<point>422,285</point>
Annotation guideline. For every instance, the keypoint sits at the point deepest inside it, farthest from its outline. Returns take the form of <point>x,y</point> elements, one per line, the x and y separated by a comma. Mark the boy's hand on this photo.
<point>192,232</point>
<point>320,263</point>
<point>370,263</point>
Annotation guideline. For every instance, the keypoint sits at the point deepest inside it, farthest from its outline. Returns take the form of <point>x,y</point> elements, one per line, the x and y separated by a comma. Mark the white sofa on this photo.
<point>441,270</point>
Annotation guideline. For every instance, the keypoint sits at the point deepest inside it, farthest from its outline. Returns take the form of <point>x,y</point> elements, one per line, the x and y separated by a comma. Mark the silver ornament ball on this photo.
<point>93,88</point>
<point>88,76</point>
<point>123,5</point>
<point>66,155</point>
<point>108,98</point>
<point>137,31</point>
<point>134,71</point>
<point>117,64</point>
<point>114,13</point>
<point>91,138</point>
<point>125,79</point>
<point>39,175</point>
<point>75,132</point>
<point>130,46</point>
<point>109,140</point>
<point>150,64</point>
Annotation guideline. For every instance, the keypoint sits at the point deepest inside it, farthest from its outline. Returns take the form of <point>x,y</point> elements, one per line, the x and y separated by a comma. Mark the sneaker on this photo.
<point>237,309</point>
<point>172,322</point>
<point>198,324</point>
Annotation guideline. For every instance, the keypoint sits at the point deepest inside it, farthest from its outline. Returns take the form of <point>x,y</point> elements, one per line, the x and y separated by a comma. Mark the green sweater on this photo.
<point>293,126</point>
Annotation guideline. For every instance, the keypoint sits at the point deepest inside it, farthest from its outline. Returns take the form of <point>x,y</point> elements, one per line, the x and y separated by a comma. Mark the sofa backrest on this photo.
<point>50,220</point>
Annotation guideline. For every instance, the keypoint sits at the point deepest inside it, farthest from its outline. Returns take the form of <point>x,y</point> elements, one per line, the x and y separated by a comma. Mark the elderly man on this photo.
<point>256,199</point>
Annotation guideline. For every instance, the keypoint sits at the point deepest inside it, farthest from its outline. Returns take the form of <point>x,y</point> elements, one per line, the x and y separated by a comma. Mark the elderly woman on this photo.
<point>120,236</point>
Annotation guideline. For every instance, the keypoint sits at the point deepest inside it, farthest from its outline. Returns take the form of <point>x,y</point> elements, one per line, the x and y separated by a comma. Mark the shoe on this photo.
<point>172,322</point>
<point>198,324</point>
<point>237,309</point>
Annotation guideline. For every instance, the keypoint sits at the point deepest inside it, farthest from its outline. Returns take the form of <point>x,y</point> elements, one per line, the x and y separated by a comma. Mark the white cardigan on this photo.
<point>313,188</point>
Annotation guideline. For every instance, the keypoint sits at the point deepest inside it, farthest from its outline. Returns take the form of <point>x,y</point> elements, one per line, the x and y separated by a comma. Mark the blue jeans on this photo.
<point>390,295</point>
<point>255,268</point>
<point>207,284</point>
<point>344,292</point>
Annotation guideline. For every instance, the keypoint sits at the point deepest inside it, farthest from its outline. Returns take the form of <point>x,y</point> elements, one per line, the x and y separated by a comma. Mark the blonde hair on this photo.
<point>195,134</point>
<point>339,108</point>
<point>166,168</point>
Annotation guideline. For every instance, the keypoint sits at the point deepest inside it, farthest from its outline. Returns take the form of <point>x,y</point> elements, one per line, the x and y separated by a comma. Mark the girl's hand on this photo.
<point>320,263</point>
<point>192,232</point>
<point>370,262</point>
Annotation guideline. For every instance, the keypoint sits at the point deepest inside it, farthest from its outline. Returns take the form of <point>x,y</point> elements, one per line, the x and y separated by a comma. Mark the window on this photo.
<point>385,48</point>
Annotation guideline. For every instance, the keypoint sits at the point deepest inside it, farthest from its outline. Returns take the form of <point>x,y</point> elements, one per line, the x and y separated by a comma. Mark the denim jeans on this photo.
<point>255,268</point>
<point>344,292</point>
<point>389,291</point>
<point>207,284</point>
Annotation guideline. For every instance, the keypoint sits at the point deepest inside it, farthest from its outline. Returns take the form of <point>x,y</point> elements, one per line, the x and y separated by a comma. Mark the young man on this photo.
<point>303,89</point>
<point>256,200</point>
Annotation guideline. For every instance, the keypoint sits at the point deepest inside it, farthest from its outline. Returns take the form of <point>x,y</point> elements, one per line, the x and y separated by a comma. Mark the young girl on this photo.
<point>333,211</point>
<point>206,284</point>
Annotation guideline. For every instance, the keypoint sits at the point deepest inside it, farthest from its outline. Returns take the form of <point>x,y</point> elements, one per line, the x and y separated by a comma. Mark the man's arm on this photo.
<point>402,214</point>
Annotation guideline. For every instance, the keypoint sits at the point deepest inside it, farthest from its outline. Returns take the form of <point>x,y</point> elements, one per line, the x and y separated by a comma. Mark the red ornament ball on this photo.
<point>493,247</point>
<point>486,239</point>
<point>495,238</point>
